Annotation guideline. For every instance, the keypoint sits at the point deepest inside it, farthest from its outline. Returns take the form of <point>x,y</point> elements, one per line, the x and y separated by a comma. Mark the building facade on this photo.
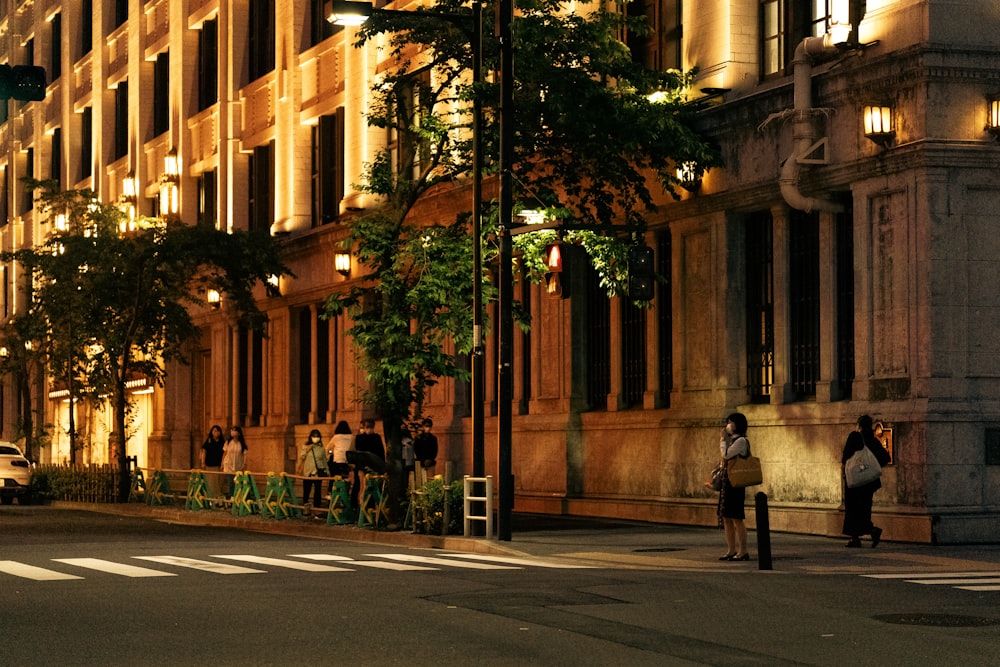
<point>822,273</point>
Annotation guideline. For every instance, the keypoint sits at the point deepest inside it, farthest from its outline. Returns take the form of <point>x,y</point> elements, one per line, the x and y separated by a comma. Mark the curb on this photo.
<point>297,527</point>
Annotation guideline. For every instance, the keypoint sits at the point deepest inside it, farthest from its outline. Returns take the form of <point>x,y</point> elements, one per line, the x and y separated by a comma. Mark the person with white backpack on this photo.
<point>862,463</point>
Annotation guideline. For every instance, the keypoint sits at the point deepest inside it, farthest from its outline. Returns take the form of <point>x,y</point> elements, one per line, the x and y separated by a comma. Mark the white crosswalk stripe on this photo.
<point>282,562</point>
<point>32,572</point>
<point>305,562</point>
<point>111,567</point>
<point>203,565</point>
<point>982,581</point>
<point>429,560</point>
<point>513,560</point>
<point>383,565</point>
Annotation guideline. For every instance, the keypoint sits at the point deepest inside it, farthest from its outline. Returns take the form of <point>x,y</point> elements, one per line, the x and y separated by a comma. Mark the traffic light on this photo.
<point>641,277</point>
<point>22,82</point>
<point>557,265</point>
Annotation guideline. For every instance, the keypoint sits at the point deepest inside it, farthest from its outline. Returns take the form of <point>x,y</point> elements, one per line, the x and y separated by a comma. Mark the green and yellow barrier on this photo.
<point>246,498</point>
<point>197,492</point>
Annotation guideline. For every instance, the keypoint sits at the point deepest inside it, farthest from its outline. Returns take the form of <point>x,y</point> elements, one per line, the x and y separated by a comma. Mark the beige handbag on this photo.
<point>744,471</point>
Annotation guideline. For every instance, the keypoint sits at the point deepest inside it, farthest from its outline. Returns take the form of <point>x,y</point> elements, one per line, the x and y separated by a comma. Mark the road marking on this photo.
<point>981,581</point>
<point>281,562</point>
<point>382,565</point>
<point>32,572</point>
<point>428,560</point>
<point>513,560</point>
<point>114,568</point>
<point>953,581</point>
<point>203,565</point>
<point>922,575</point>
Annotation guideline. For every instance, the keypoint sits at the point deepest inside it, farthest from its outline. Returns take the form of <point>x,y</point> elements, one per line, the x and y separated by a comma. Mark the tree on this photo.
<point>116,295</point>
<point>23,358</point>
<point>594,131</point>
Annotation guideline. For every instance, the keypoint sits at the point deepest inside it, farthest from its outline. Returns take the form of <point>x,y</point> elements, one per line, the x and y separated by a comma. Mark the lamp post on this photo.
<point>505,380</point>
<point>345,12</point>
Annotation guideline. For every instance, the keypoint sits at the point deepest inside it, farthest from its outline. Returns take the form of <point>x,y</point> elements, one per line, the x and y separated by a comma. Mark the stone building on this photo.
<point>823,273</point>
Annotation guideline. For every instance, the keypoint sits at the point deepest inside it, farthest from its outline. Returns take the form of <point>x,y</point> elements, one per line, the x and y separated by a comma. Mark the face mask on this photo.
<point>315,438</point>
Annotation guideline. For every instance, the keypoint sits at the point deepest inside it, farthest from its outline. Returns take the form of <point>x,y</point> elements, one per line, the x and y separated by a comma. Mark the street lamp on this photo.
<point>348,13</point>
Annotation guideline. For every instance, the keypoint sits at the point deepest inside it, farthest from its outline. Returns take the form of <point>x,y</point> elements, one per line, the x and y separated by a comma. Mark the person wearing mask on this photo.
<point>211,460</point>
<point>233,458</point>
<point>313,465</point>
<point>732,499</point>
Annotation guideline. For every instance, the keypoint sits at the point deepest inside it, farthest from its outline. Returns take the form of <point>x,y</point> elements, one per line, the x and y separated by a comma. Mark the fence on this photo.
<point>88,483</point>
<point>435,507</point>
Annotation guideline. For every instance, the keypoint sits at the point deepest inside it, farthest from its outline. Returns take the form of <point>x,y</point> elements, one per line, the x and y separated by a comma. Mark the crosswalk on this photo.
<point>975,580</point>
<point>227,564</point>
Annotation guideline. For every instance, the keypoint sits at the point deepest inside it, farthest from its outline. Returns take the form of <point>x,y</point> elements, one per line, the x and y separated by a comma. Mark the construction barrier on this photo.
<point>159,492</point>
<point>245,497</point>
<point>197,492</point>
<point>280,501</point>
<point>340,503</point>
<point>374,502</point>
<point>138,487</point>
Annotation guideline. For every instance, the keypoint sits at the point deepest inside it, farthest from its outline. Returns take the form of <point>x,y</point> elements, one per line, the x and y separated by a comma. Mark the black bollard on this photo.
<point>763,532</point>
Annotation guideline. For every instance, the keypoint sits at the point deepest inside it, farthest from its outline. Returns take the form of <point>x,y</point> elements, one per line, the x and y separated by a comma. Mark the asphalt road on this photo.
<point>79,588</point>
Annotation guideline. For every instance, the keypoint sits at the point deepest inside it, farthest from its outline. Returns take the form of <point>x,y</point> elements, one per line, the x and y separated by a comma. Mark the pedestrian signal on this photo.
<point>641,277</point>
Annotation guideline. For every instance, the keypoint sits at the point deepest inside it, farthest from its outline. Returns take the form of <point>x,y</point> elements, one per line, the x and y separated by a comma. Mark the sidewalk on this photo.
<point>613,543</point>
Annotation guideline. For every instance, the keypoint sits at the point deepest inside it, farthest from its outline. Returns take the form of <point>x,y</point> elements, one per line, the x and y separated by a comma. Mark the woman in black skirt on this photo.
<point>731,499</point>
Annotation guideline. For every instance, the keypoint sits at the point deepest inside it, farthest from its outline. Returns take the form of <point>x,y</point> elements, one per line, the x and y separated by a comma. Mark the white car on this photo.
<point>15,475</point>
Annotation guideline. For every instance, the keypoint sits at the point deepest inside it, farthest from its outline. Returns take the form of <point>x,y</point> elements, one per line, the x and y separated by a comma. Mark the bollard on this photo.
<point>763,532</point>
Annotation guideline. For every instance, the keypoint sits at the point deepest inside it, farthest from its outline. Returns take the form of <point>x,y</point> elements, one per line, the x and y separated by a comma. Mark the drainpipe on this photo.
<point>803,128</point>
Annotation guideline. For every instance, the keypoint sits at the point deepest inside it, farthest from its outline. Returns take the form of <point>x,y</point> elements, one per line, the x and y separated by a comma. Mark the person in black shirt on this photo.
<point>369,454</point>
<point>211,459</point>
<point>425,448</point>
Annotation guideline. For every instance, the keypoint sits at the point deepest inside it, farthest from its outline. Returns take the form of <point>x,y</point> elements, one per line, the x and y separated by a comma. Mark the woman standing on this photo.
<point>313,464</point>
<point>233,459</point>
<point>211,459</point>
<point>731,499</point>
<point>858,500</point>
<point>341,443</point>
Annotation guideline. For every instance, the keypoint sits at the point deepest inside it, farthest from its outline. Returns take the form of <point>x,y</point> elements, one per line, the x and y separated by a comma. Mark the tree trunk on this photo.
<point>121,411</point>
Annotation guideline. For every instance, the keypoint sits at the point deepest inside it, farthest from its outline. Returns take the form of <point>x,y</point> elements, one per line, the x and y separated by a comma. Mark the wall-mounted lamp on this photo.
<point>128,200</point>
<point>274,281</point>
<point>169,185</point>
<point>342,262</point>
<point>879,127</point>
<point>214,298</point>
<point>61,222</point>
<point>993,118</point>
<point>339,12</point>
<point>689,176</point>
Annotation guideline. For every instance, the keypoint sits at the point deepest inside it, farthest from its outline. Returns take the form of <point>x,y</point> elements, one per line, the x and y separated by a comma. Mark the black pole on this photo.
<point>763,532</point>
<point>478,356</point>
<point>478,351</point>
<point>505,389</point>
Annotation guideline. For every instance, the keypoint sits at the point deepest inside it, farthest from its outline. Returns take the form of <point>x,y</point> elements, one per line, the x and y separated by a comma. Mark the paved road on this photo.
<point>125,590</point>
